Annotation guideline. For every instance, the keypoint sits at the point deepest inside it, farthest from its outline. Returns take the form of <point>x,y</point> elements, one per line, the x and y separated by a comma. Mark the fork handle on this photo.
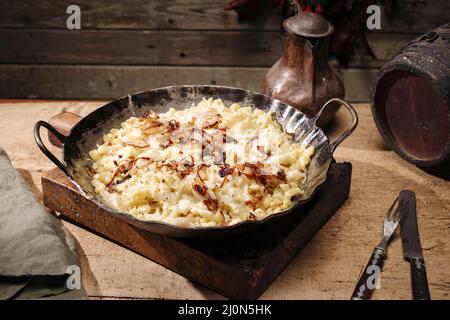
<point>370,277</point>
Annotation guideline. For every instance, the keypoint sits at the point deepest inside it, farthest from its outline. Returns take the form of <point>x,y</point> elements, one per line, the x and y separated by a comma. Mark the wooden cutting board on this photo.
<point>238,268</point>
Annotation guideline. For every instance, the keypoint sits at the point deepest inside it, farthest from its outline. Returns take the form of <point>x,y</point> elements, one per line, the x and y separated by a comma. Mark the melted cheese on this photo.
<point>206,165</point>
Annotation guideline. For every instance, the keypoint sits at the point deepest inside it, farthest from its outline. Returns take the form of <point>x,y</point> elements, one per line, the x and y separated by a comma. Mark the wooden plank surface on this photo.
<point>97,82</point>
<point>140,47</point>
<point>386,45</point>
<point>132,14</point>
<point>100,82</point>
<point>406,16</point>
<point>358,83</point>
<point>415,16</point>
<point>327,268</point>
<point>212,48</point>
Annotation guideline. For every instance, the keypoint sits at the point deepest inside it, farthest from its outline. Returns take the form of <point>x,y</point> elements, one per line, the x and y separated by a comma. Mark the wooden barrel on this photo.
<point>411,100</point>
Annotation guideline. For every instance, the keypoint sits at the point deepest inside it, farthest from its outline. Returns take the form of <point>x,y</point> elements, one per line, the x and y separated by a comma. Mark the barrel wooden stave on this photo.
<point>411,100</point>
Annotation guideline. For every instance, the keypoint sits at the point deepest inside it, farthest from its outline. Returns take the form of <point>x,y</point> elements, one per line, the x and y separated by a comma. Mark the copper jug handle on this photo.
<point>347,132</point>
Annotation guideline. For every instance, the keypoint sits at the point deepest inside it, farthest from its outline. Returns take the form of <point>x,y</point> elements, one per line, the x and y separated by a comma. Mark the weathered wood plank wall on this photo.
<point>143,44</point>
<point>407,16</point>
<point>129,14</point>
<point>125,47</point>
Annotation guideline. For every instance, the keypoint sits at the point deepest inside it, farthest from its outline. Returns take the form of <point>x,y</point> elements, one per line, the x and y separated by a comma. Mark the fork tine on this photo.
<point>390,209</point>
<point>396,215</point>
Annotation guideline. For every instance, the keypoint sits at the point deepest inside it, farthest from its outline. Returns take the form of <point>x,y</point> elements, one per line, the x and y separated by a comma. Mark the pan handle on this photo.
<point>63,122</point>
<point>347,132</point>
<point>38,139</point>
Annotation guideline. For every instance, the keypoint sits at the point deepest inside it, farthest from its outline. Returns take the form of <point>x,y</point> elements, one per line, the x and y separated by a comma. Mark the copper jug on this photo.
<point>302,77</point>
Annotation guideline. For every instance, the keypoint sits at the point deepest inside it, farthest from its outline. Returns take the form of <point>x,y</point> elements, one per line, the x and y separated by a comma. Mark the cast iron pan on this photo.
<point>88,132</point>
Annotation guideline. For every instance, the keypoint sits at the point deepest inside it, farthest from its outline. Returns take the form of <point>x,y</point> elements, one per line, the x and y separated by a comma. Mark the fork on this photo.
<point>370,278</point>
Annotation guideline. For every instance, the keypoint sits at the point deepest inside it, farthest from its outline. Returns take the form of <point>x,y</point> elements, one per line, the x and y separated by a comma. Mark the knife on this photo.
<point>412,250</point>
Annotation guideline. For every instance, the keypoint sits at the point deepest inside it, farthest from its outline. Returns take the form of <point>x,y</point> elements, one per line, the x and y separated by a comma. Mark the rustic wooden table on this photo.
<point>327,268</point>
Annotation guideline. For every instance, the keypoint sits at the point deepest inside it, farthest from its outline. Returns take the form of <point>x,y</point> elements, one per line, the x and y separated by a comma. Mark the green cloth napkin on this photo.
<point>36,250</point>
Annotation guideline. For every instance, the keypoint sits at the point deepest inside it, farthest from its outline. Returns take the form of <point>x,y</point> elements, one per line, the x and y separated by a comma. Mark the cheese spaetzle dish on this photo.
<point>207,165</point>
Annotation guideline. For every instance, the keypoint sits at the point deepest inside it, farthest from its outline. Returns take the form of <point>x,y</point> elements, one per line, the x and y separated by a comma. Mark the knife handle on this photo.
<point>370,277</point>
<point>419,280</point>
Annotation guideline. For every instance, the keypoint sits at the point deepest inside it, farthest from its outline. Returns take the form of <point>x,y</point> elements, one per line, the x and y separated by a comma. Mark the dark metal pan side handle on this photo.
<point>38,139</point>
<point>367,282</point>
<point>347,132</point>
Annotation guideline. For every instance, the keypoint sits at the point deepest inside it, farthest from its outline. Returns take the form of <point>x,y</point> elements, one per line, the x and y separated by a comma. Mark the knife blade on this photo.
<point>412,249</point>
